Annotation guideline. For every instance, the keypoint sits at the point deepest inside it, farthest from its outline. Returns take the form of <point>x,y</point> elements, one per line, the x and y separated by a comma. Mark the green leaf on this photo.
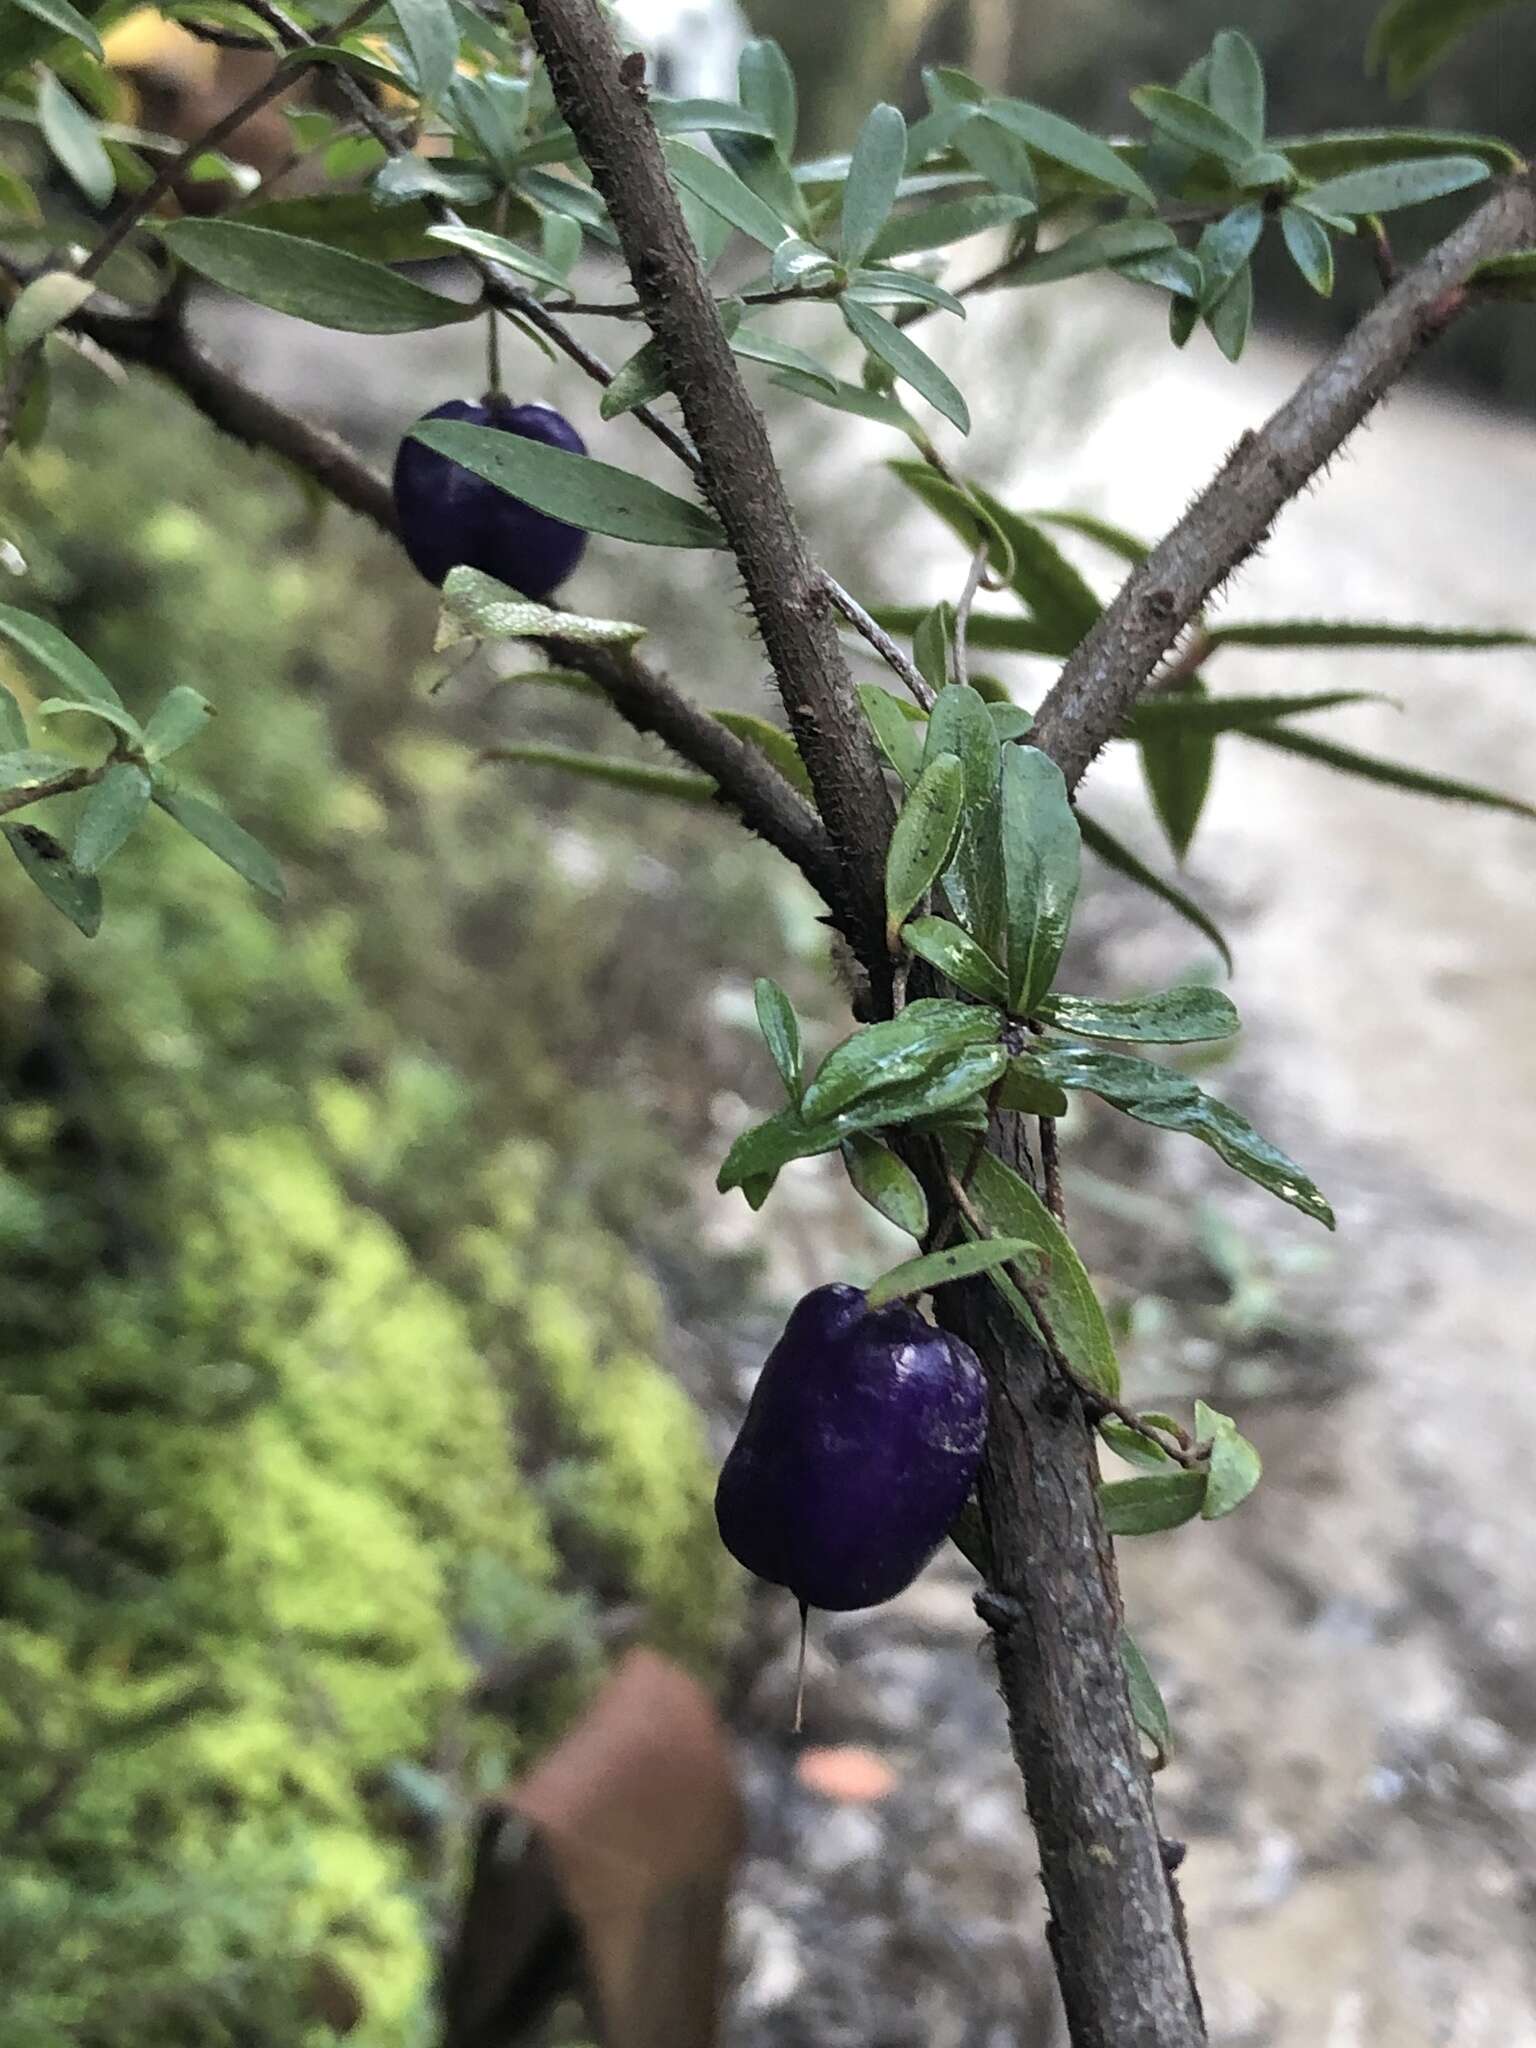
<point>1361,633</point>
<point>892,347</point>
<point>75,140</point>
<point>987,630</point>
<point>1267,171</point>
<point>886,1183</point>
<point>636,382</point>
<point>780,1027</point>
<point>477,606</point>
<point>1509,277</point>
<point>758,347</point>
<point>1386,187</point>
<point>957,956</point>
<point>13,726</point>
<point>1171,270</point>
<point>1171,1101</point>
<point>112,810</point>
<point>326,286</point>
<point>1140,1507</point>
<point>1224,248</point>
<point>771,740</point>
<point>180,716</point>
<point>1174,1016</point>
<point>1063,605</point>
<point>767,87</point>
<point>724,193</point>
<point>82,680</point>
<point>1115,854</point>
<point>222,837</point>
<point>50,867</point>
<point>1394,773</point>
<point>1115,539</point>
<point>1133,1447</point>
<point>800,265</point>
<point>1182,712</point>
<point>69,21</point>
<point>937,1269</point>
<point>497,249</point>
<point>896,735</point>
<point>880,406</point>
<point>762,1152</point>
<point>879,159</point>
<point>902,287</point>
<point>952,220</point>
<point>1335,151</point>
<point>18,201</point>
<point>1195,126</point>
<point>1147,1709</point>
<point>574,488</point>
<point>1013,1209</point>
<point>893,1053</point>
<point>1065,143</point>
<point>961,723</point>
<point>933,644</point>
<point>40,306</point>
<point>962,509</point>
<point>678,783</point>
<point>109,714</point>
<point>1410,37</point>
<point>1231,318</point>
<point>1311,249</point>
<point>761,168</point>
<point>432,37</point>
<point>26,768</point>
<point>1041,852</point>
<point>1235,1466</point>
<point>577,202</point>
<point>1235,84</point>
<point>1095,248</point>
<point>708,117</point>
<point>353,221</point>
<point>1177,757</point>
<point>1029,1095</point>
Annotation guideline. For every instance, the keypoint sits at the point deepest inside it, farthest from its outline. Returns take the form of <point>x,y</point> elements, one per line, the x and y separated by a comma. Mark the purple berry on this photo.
<point>858,1450</point>
<point>448,515</point>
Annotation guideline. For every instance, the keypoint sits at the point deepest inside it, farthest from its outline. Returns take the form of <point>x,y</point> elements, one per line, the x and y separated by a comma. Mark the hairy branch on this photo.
<point>1235,511</point>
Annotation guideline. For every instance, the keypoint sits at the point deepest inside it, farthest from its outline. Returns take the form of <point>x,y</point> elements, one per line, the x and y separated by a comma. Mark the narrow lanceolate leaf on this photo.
<point>933,639</point>
<point>883,407</point>
<point>432,37</point>
<point>772,740</point>
<point>1013,1209</point>
<point>223,838</point>
<point>1133,1447</point>
<point>1194,125</point>
<point>77,674</point>
<point>479,607</point>
<point>1235,84</point>
<point>641,776</point>
<point>112,810</point>
<point>326,286</point>
<point>767,87</point>
<point>498,249</point>
<point>961,723</point>
<point>937,1269</point>
<point>40,306</point>
<point>1362,633</point>
<point>922,839</point>
<point>27,768</point>
<point>1235,1466</point>
<point>1411,36</point>
<point>900,1050</point>
<point>1116,540</point>
<point>887,341</point>
<point>1310,247</point>
<point>1177,760</point>
<point>1117,855</point>
<point>75,140</point>
<point>636,382</point>
<point>1386,187</point>
<point>886,1183</point>
<point>798,265</point>
<point>869,192</point>
<point>1095,249</point>
<point>109,714</point>
<point>584,493</point>
<point>950,221</point>
<point>760,1154</point>
<point>780,1027</point>
<point>898,737</point>
<point>1231,318</point>
<point>55,874</point>
<point>1147,1709</point>
<point>13,726</point>
<point>1029,1095</point>
<point>724,193</point>
<point>68,20</point>
<point>1171,270</point>
<point>1174,1016</point>
<point>1140,1507</point>
<point>902,287</point>
<point>1041,854</point>
<point>1065,143</point>
<point>758,347</point>
<point>1225,246</point>
<point>957,957</point>
<point>1186,712</point>
<point>1372,769</point>
<point>180,716</point>
<point>1332,152</point>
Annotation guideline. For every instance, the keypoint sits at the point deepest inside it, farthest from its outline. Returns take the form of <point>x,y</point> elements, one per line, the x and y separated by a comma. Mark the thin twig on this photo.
<point>881,641</point>
<point>963,613</point>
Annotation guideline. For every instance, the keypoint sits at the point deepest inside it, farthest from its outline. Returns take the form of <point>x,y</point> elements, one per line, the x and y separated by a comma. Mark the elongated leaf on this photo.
<point>882,407</point>
<point>800,265</point>
<point>230,842</point>
<point>1133,1447</point>
<point>961,723</point>
<point>1182,712</point>
<point>1350,762</point>
<point>40,306</point>
<point>326,286</point>
<point>780,1027</point>
<point>708,117</point>
<point>498,249</point>
<point>1095,249</point>
<point>1231,318</point>
<point>1041,853</point>
<point>771,740</point>
<point>1311,249</point>
<point>479,607</point>
<point>27,768</point>
<point>910,364</point>
<point>353,221</point>
<point>896,735</point>
<point>1115,539</point>
<point>1410,37</point>
<point>1171,270</point>
<point>1013,1209</point>
<point>1388,186</point>
<point>75,140</point>
<point>1029,1095</point>
<point>902,287</point>
<point>758,347</point>
<point>1177,759</point>
<point>1337,150</point>
<point>180,716</point>
<point>13,726</point>
<point>1140,1507</point>
<point>726,194</point>
<point>1267,171</point>
<point>641,776</point>
<point>1115,854</point>
<point>1065,143</point>
<point>1362,633</point>
<point>951,220</point>
<point>81,679</point>
<point>933,648</point>
<point>636,382</point>
<point>893,1053</point>
<point>1225,246</point>
<point>767,87</point>
<point>574,488</point>
<point>1174,1016</point>
<point>1194,125</point>
<point>937,1269</point>
<point>957,956</point>
<point>1147,1709</point>
<point>762,169</point>
<point>577,202</point>
<point>49,866</point>
<point>869,193</point>
<point>1235,1466</point>
<point>887,1184</point>
<point>112,810</point>
<point>1509,277</point>
<point>988,630</point>
<point>1235,84</point>
<point>69,21</point>
<point>761,1153</point>
<point>922,839</point>
<point>432,37</point>
<point>109,714</point>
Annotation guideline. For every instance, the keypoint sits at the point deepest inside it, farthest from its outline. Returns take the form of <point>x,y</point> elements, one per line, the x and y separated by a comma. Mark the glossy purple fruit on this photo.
<point>858,1450</point>
<point>448,515</point>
